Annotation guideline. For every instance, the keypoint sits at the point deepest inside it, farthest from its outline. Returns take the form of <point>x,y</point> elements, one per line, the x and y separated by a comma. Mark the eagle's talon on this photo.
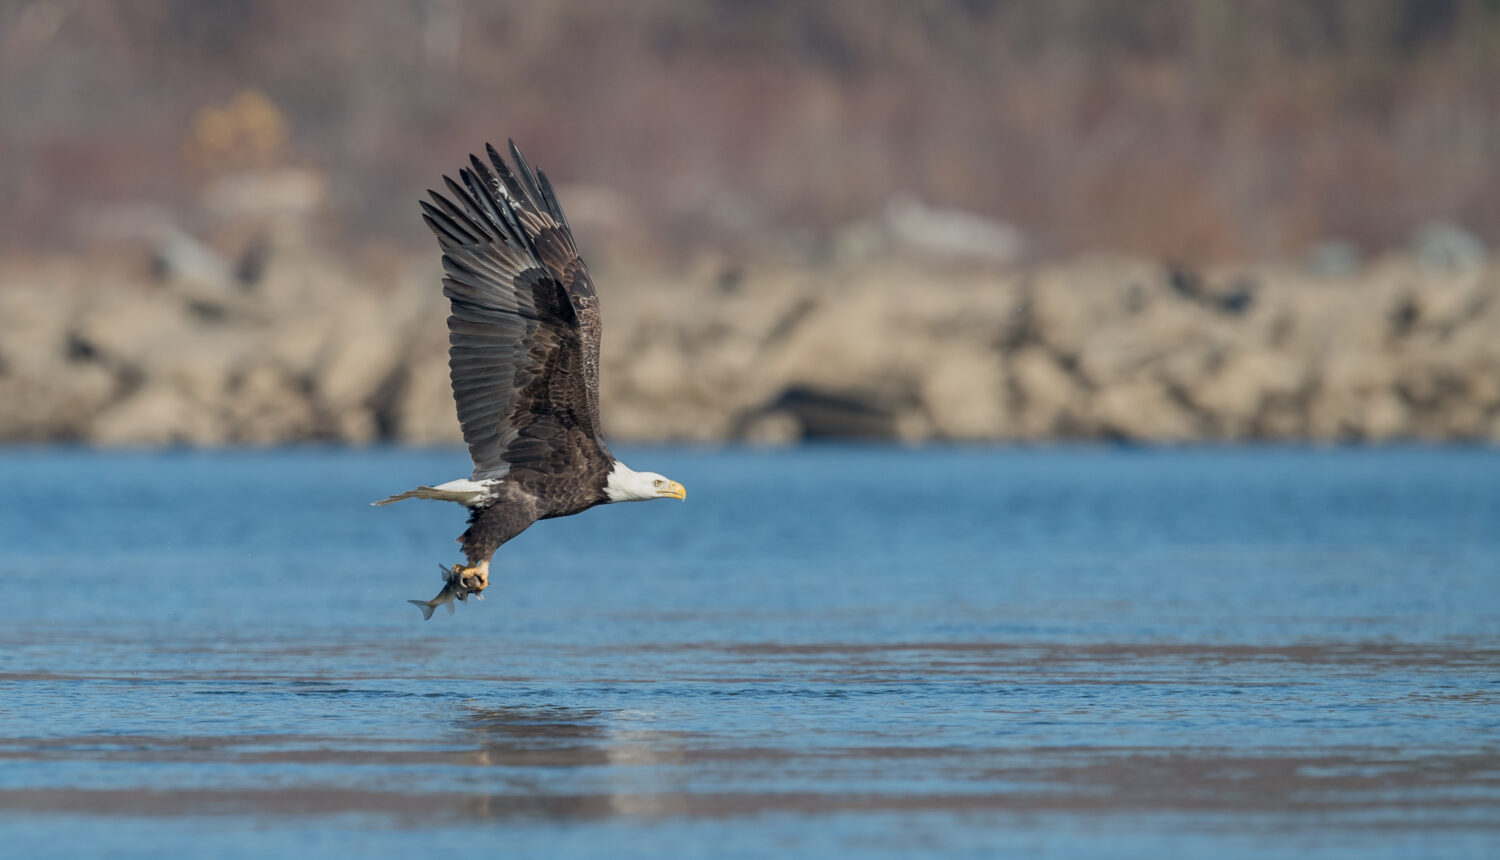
<point>471,579</point>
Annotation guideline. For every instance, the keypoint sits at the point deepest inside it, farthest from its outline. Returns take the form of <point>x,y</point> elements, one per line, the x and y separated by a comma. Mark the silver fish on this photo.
<point>453,589</point>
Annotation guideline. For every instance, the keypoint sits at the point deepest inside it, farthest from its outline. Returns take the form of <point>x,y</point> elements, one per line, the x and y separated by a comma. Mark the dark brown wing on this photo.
<point>524,334</point>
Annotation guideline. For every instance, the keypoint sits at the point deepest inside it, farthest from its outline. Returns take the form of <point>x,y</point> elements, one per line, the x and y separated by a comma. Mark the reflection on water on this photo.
<point>831,727</point>
<point>1190,666</point>
<point>522,728</point>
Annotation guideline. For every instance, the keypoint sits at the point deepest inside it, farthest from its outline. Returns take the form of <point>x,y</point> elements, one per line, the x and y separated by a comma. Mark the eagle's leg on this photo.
<point>489,528</point>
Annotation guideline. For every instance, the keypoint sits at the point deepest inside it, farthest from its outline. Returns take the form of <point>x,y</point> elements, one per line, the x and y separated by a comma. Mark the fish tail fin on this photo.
<point>426,606</point>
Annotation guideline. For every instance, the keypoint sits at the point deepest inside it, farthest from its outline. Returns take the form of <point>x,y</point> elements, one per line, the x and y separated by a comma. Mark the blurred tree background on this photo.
<point>1197,130</point>
<point>971,220</point>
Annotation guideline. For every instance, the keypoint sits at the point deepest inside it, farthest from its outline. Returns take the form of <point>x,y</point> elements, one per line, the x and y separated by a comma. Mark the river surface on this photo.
<point>853,652</point>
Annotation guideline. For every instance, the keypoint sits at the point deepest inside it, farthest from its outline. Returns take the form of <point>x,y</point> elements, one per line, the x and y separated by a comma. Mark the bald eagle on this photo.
<point>523,356</point>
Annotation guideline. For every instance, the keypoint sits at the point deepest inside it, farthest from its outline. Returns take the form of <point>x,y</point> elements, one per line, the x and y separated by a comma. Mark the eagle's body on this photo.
<point>524,361</point>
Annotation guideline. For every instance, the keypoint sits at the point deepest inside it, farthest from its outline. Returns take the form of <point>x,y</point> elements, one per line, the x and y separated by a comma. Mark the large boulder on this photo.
<point>158,413</point>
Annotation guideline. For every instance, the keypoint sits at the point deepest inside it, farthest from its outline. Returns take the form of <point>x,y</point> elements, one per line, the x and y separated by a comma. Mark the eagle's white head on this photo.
<point>627,485</point>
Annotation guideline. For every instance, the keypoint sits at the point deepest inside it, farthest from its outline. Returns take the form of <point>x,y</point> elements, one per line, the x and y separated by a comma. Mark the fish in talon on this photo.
<point>452,590</point>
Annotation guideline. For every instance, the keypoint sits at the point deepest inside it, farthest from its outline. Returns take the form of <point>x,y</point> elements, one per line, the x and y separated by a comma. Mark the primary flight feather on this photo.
<point>523,356</point>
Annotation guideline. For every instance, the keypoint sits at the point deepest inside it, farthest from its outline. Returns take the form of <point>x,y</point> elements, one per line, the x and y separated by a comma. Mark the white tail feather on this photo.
<point>463,491</point>
<point>409,494</point>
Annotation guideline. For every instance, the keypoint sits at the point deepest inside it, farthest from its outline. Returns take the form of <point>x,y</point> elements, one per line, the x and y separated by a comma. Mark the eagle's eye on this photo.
<point>658,482</point>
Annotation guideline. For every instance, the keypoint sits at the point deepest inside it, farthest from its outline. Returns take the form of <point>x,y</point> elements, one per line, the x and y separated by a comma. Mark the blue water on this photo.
<point>831,651</point>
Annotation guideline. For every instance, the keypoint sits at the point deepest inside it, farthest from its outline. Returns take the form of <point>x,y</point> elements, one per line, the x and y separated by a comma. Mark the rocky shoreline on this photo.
<point>315,350</point>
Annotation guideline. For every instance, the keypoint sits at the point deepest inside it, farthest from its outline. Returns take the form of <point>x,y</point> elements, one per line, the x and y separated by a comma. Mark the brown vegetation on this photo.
<point>1193,130</point>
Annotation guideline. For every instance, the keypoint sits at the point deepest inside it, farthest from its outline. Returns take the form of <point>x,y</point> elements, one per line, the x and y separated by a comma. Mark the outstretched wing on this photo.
<point>524,333</point>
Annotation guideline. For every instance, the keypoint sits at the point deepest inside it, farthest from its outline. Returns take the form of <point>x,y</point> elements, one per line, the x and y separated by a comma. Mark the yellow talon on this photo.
<point>474,579</point>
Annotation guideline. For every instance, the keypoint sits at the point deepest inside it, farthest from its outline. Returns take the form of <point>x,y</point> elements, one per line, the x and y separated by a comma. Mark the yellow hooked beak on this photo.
<point>674,490</point>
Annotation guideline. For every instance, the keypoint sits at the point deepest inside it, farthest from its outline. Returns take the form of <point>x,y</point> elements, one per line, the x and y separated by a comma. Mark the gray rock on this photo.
<point>951,233</point>
<point>1444,246</point>
<point>1333,259</point>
